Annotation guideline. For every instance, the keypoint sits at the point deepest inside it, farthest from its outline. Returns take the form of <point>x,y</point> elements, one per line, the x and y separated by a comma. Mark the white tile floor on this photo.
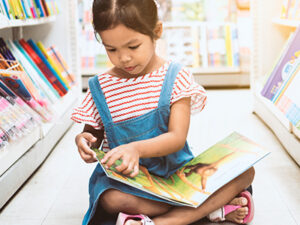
<point>57,193</point>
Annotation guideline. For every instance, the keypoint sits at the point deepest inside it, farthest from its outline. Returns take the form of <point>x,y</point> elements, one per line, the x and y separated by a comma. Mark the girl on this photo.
<point>141,108</point>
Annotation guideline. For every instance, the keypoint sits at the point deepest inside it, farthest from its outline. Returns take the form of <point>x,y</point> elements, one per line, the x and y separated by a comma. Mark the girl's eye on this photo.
<point>134,47</point>
<point>111,50</point>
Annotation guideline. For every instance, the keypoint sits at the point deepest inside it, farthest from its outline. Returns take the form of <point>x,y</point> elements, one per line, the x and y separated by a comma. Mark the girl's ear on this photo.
<point>158,30</point>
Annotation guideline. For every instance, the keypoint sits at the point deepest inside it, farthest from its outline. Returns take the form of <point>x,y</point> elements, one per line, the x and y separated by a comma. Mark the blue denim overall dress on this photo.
<point>143,127</point>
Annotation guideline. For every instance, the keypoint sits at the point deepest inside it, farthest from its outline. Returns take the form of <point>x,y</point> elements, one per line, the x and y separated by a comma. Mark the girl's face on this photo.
<point>131,52</point>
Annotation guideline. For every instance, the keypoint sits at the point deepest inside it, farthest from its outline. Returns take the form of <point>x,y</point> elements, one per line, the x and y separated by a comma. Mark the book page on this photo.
<point>193,183</point>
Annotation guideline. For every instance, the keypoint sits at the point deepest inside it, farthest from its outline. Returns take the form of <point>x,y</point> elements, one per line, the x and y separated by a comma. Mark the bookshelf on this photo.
<point>208,76</point>
<point>269,36</point>
<point>22,157</point>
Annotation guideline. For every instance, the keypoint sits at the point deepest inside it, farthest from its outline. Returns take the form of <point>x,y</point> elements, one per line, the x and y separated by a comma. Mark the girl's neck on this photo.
<point>153,65</point>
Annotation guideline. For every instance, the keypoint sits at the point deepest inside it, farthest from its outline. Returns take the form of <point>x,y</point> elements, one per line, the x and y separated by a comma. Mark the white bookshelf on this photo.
<point>5,23</point>
<point>22,157</point>
<point>269,37</point>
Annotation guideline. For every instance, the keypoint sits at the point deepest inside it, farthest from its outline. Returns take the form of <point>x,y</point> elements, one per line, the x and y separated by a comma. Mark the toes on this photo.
<point>242,201</point>
<point>242,211</point>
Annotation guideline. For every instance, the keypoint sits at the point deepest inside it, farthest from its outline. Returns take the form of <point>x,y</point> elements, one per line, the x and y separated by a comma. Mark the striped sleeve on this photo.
<point>87,112</point>
<point>185,86</point>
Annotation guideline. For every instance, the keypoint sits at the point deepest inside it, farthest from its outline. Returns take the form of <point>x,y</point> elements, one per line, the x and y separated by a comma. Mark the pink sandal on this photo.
<point>122,218</point>
<point>219,214</point>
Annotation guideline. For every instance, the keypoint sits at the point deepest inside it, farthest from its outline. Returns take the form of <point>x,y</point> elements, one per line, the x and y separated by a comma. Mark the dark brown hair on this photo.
<point>138,15</point>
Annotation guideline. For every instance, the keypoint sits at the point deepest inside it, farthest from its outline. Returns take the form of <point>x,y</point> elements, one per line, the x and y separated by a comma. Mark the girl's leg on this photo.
<point>186,215</point>
<point>114,201</point>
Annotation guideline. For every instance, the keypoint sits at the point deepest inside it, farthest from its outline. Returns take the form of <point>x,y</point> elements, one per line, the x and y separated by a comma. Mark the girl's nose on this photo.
<point>124,57</point>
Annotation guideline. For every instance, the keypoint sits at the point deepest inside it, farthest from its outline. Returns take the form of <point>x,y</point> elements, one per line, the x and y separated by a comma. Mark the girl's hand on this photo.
<point>84,142</point>
<point>129,155</point>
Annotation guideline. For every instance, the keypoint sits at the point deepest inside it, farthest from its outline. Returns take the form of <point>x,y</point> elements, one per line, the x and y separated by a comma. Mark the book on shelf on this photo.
<point>287,98</point>
<point>194,182</point>
<point>285,61</point>
<point>27,9</point>
<point>205,44</point>
<point>43,67</point>
<point>290,10</point>
<point>25,68</point>
<point>33,71</point>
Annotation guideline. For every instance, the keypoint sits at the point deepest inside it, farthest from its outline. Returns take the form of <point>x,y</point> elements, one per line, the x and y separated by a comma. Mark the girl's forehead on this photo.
<point>120,35</point>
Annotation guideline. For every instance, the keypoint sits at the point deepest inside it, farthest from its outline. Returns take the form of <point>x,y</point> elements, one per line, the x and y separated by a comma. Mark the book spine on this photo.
<point>45,61</point>
<point>6,9</point>
<point>26,9</point>
<point>35,67</point>
<point>52,63</point>
<point>51,78</point>
<point>44,5</point>
<point>285,9</point>
<point>21,9</point>
<point>62,62</point>
<point>40,8</point>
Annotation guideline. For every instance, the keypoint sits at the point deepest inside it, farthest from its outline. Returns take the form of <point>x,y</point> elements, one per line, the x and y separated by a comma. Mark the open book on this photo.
<point>193,183</point>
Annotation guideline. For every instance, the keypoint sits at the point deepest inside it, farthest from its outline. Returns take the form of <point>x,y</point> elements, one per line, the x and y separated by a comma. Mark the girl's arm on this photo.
<point>89,138</point>
<point>175,138</point>
<point>162,145</point>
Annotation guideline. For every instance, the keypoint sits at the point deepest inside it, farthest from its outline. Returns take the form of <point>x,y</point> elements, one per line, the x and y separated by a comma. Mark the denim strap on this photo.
<point>167,87</point>
<point>100,100</point>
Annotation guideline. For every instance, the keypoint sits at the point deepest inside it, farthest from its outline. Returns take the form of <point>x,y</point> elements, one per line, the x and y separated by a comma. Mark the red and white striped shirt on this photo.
<point>133,97</point>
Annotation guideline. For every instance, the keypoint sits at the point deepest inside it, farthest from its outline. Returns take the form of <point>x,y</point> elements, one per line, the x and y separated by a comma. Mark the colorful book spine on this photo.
<point>40,8</point>
<point>289,53</point>
<point>45,70</point>
<point>53,51</point>
<point>31,71</point>
<point>39,72</point>
<point>6,9</point>
<point>50,68</point>
<point>52,63</point>
<point>285,9</point>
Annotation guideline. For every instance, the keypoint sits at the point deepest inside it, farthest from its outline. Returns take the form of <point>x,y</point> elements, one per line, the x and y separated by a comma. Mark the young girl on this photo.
<point>141,109</point>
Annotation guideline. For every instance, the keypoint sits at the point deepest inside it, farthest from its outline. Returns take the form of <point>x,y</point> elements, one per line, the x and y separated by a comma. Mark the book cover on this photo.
<point>193,183</point>
<point>287,100</point>
<point>291,51</point>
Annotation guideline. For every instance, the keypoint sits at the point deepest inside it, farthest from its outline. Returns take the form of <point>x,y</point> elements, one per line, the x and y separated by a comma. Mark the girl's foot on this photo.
<point>133,222</point>
<point>238,215</point>
<point>240,210</point>
<point>126,219</point>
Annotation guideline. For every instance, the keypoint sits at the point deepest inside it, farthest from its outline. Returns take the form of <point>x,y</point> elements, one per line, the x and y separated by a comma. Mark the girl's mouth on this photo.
<point>130,68</point>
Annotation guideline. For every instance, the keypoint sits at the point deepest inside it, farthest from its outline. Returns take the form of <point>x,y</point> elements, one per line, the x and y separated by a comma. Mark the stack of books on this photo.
<point>32,79</point>
<point>282,86</point>
<point>27,9</point>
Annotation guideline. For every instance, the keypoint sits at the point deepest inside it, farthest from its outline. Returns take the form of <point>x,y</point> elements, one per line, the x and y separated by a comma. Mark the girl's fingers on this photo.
<point>87,157</point>
<point>126,169</point>
<point>135,171</point>
<point>112,159</point>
